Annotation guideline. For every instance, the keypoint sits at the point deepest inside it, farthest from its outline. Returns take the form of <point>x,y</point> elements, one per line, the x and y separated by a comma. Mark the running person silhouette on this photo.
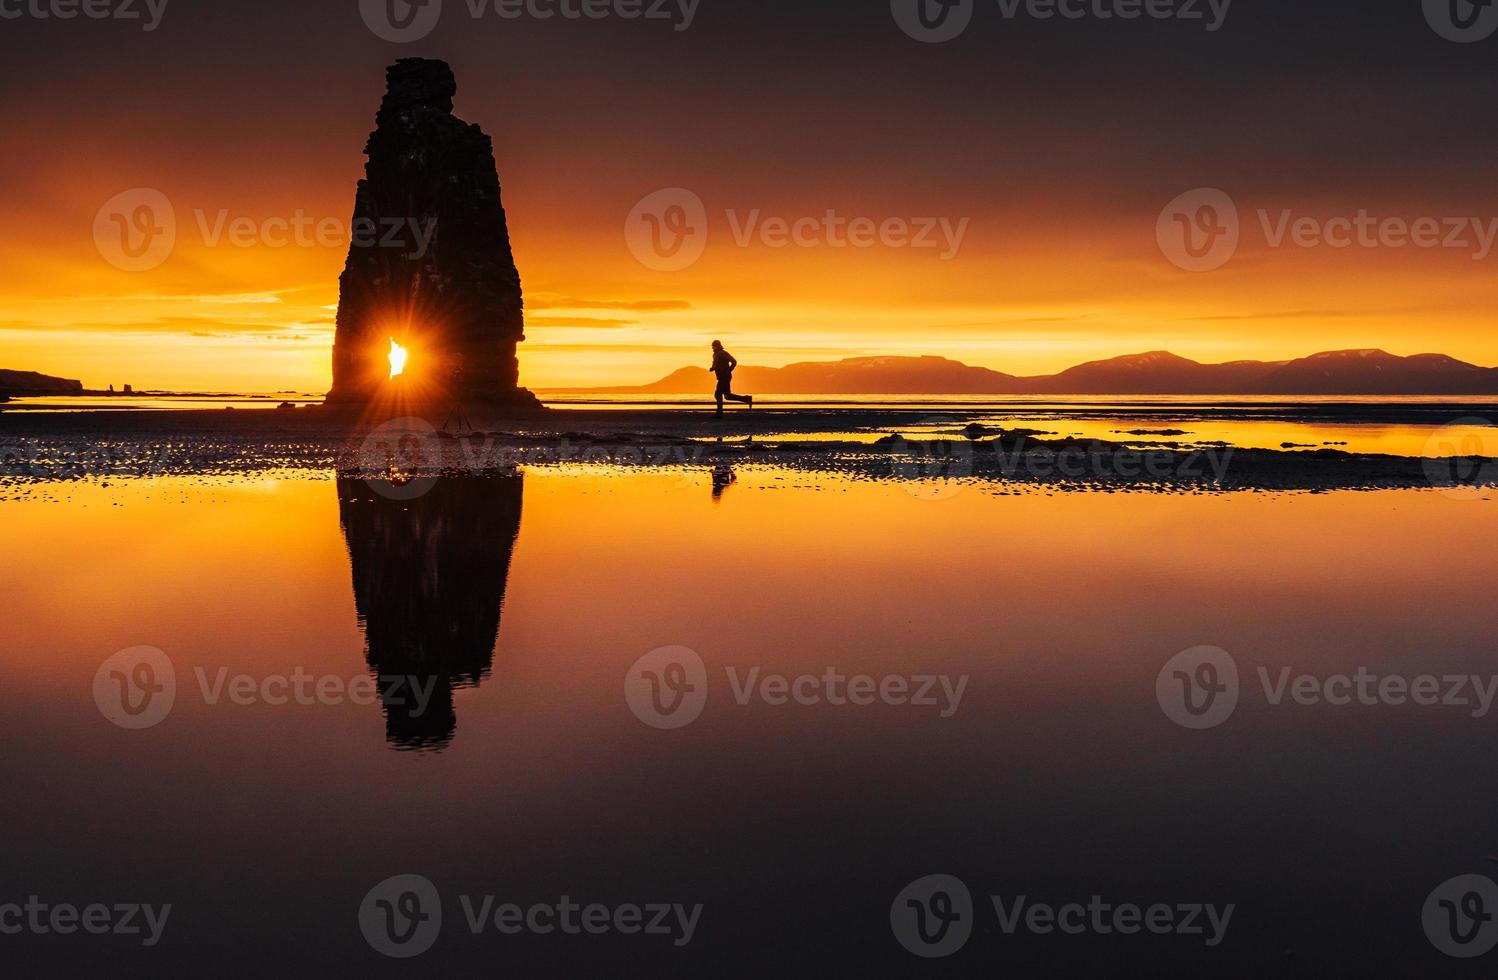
<point>723,365</point>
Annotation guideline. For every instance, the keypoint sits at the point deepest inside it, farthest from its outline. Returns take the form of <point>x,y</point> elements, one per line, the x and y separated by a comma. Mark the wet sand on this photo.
<point>867,442</point>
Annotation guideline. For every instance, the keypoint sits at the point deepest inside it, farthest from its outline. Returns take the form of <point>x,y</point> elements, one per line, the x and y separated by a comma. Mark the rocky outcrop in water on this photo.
<point>429,264</point>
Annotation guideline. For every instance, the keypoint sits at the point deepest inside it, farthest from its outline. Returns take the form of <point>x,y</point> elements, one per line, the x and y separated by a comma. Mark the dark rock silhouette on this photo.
<point>429,585</point>
<point>429,263</point>
<point>33,383</point>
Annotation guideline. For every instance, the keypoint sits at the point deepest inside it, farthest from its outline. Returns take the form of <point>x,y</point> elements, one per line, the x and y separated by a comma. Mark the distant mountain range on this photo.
<point>1345,372</point>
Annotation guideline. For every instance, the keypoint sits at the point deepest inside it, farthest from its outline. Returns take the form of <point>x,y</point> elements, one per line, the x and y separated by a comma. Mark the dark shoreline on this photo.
<point>52,446</point>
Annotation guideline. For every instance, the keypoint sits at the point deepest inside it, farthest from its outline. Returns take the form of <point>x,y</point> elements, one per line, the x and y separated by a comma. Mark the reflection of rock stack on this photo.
<point>429,263</point>
<point>429,584</point>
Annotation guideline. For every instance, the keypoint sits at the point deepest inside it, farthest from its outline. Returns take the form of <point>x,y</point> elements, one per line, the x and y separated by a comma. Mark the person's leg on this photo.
<point>725,390</point>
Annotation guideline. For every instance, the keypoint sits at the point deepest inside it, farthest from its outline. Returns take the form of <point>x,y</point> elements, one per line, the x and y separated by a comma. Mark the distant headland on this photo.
<point>33,384</point>
<point>18,383</point>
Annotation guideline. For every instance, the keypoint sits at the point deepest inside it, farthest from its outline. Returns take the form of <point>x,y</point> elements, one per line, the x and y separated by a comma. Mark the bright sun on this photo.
<point>397,358</point>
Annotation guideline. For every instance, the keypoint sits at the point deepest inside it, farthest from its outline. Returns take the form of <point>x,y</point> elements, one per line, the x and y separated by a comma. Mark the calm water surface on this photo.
<point>1415,426</point>
<point>524,603</point>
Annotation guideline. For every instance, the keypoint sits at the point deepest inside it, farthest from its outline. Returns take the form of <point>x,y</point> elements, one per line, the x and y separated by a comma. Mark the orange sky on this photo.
<point>1020,297</point>
<point>1061,191</point>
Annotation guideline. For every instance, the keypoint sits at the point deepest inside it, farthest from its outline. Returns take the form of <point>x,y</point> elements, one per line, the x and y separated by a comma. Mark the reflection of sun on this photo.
<point>397,358</point>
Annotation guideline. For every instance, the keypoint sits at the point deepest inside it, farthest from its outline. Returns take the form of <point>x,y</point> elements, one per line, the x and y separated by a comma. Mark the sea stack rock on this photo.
<point>429,587</point>
<point>429,265</point>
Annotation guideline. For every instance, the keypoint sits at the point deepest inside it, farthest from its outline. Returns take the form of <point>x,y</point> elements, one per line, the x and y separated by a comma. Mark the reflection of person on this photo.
<point>455,383</point>
<point>723,478</point>
<point>723,365</point>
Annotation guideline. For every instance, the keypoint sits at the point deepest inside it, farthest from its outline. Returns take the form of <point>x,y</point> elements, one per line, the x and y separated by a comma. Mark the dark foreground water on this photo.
<point>589,763</point>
